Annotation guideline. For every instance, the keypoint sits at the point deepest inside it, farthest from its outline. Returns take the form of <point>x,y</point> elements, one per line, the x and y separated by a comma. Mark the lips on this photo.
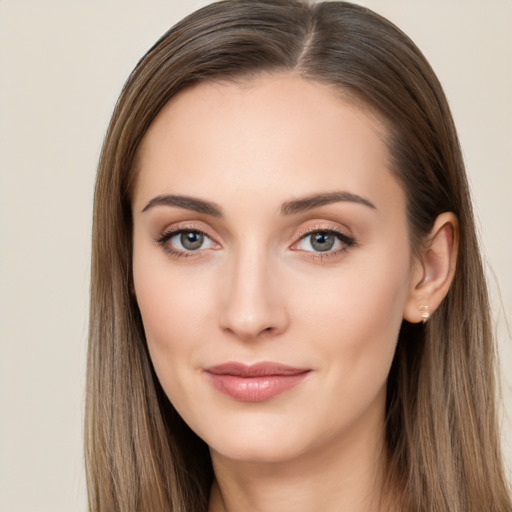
<point>254,383</point>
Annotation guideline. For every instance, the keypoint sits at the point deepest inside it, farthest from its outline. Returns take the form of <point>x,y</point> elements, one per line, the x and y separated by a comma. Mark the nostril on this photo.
<point>248,333</point>
<point>267,331</point>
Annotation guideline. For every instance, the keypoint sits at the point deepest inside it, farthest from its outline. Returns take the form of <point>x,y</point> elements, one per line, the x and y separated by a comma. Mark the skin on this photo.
<point>257,290</point>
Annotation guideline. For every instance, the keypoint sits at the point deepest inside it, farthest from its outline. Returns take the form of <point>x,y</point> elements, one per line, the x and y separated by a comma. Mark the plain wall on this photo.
<point>62,65</point>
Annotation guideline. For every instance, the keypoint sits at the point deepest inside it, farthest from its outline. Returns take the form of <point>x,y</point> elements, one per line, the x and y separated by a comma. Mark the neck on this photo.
<point>345,474</point>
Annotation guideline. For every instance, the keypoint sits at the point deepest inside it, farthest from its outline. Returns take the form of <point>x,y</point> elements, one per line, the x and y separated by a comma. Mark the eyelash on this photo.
<point>164,239</point>
<point>347,241</point>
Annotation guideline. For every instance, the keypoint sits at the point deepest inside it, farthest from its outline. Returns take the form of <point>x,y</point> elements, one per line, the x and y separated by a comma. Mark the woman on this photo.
<point>288,309</point>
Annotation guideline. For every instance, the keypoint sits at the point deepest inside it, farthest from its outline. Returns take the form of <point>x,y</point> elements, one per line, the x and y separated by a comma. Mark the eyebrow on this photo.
<point>314,201</point>
<point>288,208</point>
<point>186,202</point>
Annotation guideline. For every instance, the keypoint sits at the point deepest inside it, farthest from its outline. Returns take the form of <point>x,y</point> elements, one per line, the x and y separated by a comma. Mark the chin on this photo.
<point>265,438</point>
<point>259,437</point>
<point>258,451</point>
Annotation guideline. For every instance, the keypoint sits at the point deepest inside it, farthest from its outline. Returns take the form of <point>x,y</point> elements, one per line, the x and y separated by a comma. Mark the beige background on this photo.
<point>62,64</point>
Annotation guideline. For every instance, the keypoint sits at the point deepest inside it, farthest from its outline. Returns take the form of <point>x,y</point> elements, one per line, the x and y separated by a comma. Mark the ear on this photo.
<point>433,268</point>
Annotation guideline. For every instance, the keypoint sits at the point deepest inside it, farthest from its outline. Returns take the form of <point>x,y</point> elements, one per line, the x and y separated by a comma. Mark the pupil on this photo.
<point>191,240</point>
<point>322,241</point>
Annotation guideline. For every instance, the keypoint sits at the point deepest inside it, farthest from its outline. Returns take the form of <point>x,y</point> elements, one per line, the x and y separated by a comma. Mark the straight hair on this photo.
<point>443,448</point>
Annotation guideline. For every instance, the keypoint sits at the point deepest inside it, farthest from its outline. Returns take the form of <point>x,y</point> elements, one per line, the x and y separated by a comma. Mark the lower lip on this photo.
<point>255,389</point>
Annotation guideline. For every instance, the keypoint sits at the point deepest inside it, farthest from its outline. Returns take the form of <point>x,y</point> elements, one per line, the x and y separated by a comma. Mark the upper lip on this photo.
<point>262,369</point>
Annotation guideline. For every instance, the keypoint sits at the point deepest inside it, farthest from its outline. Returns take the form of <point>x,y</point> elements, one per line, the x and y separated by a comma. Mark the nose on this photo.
<point>252,305</point>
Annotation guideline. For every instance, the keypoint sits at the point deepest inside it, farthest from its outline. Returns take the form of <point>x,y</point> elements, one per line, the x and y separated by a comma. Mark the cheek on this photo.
<point>171,315</point>
<point>166,310</point>
<point>174,311</point>
<point>366,294</point>
<point>355,318</point>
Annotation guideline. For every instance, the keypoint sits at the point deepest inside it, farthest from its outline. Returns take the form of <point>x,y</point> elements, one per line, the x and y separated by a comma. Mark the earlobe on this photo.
<point>433,270</point>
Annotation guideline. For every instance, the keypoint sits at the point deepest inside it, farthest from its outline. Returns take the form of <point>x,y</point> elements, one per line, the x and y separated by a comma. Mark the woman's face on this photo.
<point>271,265</point>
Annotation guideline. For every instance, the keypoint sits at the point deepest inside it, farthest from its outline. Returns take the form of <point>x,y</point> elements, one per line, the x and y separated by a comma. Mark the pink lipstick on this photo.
<point>254,383</point>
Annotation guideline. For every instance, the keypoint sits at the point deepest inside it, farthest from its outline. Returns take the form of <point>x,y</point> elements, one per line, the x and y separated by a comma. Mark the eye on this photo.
<point>182,242</point>
<point>189,240</point>
<point>324,241</point>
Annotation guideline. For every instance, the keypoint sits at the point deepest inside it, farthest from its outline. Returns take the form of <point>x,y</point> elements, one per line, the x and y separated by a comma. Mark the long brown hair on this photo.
<point>441,429</point>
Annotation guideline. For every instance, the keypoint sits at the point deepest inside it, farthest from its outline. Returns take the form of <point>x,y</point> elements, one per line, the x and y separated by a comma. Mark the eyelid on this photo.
<point>179,227</point>
<point>347,239</point>
<point>324,226</point>
<point>168,233</point>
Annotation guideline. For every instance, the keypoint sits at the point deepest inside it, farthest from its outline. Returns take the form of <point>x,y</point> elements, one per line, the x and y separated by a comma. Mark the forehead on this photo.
<point>274,134</point>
